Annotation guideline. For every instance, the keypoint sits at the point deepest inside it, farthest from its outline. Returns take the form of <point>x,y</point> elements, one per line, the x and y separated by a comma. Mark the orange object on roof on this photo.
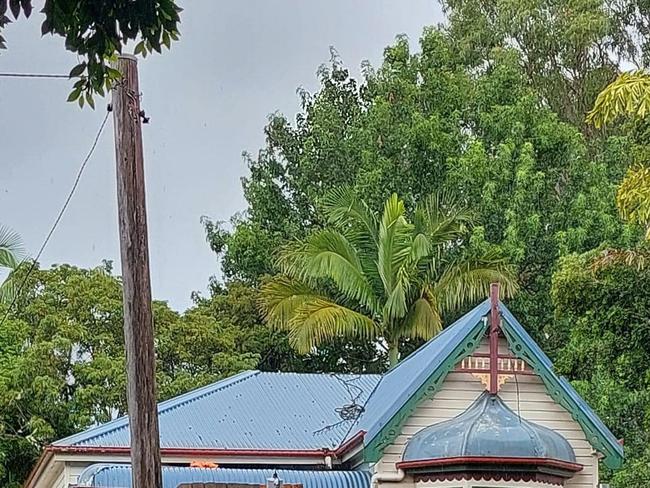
<point>203,464</point>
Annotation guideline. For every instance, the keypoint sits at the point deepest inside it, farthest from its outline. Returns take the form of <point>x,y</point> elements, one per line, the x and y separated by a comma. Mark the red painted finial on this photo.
<point>494,337</point>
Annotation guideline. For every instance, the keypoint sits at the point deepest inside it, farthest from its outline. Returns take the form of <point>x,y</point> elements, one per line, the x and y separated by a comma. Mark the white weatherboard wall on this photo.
<point>533,403</point>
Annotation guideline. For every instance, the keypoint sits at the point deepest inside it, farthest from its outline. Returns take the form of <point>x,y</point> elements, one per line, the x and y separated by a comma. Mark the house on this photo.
<point>479,405</point>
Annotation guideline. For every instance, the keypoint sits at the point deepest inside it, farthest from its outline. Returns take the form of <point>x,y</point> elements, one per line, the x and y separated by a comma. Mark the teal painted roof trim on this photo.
<point>559,388</point>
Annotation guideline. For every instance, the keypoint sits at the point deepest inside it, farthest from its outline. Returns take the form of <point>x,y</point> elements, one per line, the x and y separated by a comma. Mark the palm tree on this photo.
<point>628,95</point>
<point>378,276</point>
<point>11,252</point>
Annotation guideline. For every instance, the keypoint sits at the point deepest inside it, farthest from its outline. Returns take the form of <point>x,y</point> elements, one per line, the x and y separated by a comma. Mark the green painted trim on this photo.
<point>375,450</point>
<point>598,441</point>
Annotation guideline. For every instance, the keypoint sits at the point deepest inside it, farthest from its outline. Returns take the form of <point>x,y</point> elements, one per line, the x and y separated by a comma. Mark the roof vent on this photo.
<point>274,481</point>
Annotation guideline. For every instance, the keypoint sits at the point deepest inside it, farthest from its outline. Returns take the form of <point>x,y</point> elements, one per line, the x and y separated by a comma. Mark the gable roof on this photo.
<point>421,375</point>
<point>119,476</point>
<point>290,411</point>
<point>416,377</point>
<point>251,410</point>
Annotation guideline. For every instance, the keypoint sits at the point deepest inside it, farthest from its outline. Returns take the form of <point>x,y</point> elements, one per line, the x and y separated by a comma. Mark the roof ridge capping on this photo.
<point>193,395</point>
<point>167,405</point>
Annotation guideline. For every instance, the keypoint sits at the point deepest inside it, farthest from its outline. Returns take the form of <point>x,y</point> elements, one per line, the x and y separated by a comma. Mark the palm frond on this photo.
<point>395,306</point>
<point>467,281</point>
<point>346,211</point>
<point>327,254</point>
<point>279,299</point>
<point>394,241</point>
<point>636,258</point>
<point>629,94</point>
<point>7,290</point>
<point>11,248</point>
<point>423,320</point>
<point>441,218</point>
<point>319,320</point>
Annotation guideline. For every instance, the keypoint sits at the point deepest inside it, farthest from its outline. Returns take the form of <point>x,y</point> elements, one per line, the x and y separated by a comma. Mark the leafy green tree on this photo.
<point>426,122</point>
<point>62,364</point>
<point>97,31</point>
<point>629,95</point>
<point>568,50</point>
<point>601,320</point>
<point>238,303</point>
<point>391,278</point>
<point>11,253</point>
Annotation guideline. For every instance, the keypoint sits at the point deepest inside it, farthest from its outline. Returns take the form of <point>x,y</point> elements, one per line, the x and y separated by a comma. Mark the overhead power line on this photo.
<point>32,75</point>
<point>58,217</point>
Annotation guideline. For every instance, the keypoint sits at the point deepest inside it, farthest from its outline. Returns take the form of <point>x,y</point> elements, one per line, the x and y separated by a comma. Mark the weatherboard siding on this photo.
<point>459,391</point>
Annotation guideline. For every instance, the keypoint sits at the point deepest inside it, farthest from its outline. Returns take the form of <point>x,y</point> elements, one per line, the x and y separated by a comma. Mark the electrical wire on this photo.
<point>32,75</point>
<point>58,218</point>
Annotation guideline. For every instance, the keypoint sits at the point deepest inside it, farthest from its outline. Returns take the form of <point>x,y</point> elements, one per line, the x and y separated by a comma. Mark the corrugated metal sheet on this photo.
<point>119,476</point>
<point>252,410</point>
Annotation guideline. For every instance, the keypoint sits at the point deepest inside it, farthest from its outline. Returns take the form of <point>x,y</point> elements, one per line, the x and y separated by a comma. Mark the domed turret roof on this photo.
<point>488,429</point>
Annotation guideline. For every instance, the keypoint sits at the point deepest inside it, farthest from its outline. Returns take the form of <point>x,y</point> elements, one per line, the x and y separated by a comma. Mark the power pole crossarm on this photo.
<point>134,249</point>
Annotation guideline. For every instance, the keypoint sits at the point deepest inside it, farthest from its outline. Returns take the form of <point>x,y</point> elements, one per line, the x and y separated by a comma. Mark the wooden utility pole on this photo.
<point>134,250</point>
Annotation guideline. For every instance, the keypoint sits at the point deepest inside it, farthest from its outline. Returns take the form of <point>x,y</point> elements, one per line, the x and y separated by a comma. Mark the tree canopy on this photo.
<point>425,122</point>
<point>602,323</point>
<point>492,108</point>
<point>62,358</point>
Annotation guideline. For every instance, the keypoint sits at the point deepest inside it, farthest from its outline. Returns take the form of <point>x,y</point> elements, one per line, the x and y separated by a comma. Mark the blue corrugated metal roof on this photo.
<point>119,476</point>
<point>251,410</point>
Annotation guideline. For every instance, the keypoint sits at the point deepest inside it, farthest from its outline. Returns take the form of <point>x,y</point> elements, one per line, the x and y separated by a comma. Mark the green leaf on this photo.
<point>139,48</point>
<point>166,40</point>
<point>89,99</point>
<point>46,27</point>
<point>77,70</point>
<point>74,94</point>
<point>113,73</point>
<point>14,5</point>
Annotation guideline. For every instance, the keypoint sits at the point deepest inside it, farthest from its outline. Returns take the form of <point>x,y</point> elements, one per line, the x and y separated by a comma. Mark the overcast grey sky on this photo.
<point>208,99</point>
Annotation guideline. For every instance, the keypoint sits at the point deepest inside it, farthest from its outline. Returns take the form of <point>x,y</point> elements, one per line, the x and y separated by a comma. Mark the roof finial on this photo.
<point>494,338</point>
